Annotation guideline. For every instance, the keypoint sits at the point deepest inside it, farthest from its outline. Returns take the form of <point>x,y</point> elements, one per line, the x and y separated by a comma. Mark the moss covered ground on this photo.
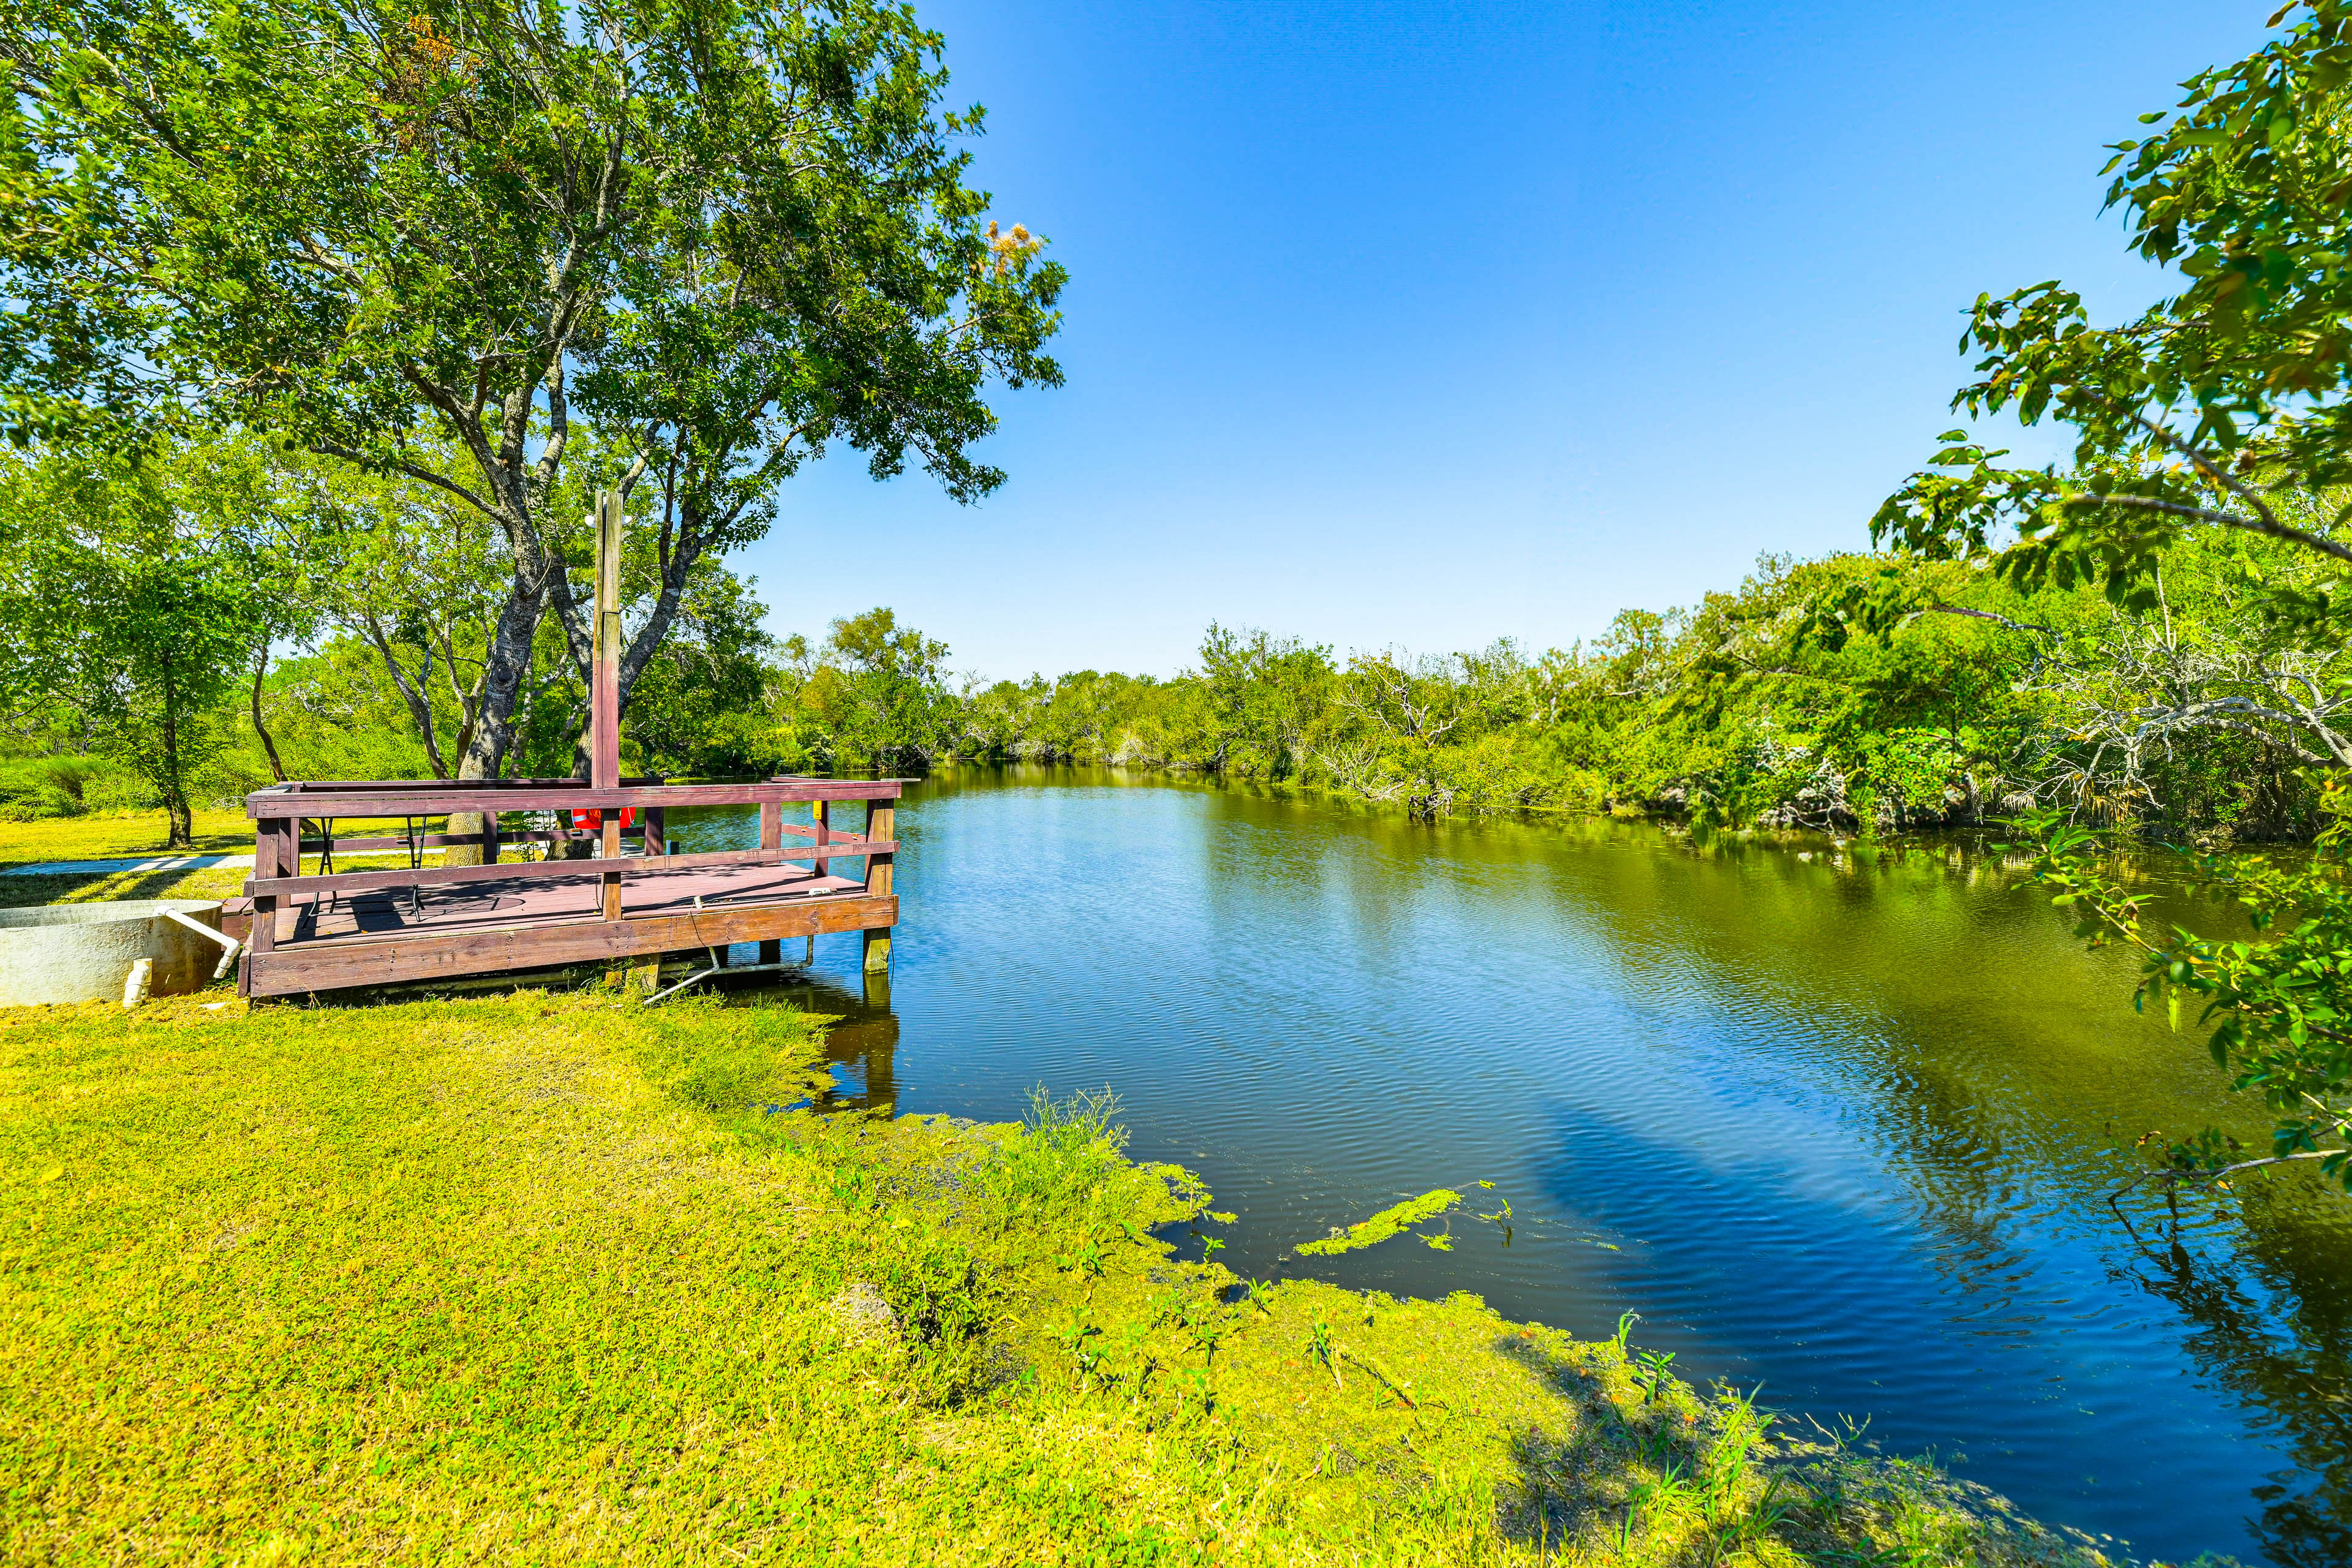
<point>557,1277</point>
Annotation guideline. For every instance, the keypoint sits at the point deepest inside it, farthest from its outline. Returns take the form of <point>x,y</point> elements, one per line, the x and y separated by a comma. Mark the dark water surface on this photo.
<point>1843,1125</point>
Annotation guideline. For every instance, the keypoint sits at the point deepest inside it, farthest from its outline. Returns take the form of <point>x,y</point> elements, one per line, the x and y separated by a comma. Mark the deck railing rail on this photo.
<point>291,820</point>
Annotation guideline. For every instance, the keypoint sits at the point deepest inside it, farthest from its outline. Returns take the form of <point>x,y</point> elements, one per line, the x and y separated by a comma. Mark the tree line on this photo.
<point>251,614</point>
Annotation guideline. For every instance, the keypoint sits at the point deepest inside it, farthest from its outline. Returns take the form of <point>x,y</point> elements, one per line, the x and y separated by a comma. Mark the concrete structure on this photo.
<point>82,952</point>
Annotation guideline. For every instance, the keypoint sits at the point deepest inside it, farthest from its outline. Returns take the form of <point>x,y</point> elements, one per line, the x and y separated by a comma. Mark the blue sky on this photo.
<point>1420,324</point>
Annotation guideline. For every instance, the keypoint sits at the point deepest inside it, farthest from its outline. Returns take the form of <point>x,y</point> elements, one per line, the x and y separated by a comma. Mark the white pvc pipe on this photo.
<point>229,948</point>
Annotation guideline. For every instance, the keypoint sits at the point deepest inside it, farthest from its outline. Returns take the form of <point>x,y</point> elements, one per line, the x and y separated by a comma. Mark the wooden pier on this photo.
<point>328,930</point>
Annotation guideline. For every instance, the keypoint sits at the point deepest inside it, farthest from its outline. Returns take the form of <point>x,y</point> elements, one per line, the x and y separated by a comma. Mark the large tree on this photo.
<point>138,590</point>
<point>2225,406</point>
<point>742,227</point>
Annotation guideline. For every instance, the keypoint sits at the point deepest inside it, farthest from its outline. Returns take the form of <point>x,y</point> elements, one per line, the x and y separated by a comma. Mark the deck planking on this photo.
<point>385,914</point>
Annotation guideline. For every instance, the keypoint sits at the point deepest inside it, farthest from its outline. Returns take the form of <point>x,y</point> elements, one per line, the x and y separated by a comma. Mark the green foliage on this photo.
<point>1395,1220</point>
<point>422,242</point>
<point>1062,1154</point>
<point>695,709</point>
<point>2219,406</point>
<point>2223,412</point>
<point>134,592</point>
<point>2277,1000</point>
<point>880,694</point>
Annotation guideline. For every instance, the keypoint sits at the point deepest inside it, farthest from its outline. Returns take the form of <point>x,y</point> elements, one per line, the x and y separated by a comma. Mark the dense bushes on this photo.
<point>2202,715</point>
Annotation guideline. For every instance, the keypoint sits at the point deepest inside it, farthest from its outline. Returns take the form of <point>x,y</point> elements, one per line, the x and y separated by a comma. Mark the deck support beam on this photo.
<point>772,836</point>
<point>881,823</point>
<point>604,697</point>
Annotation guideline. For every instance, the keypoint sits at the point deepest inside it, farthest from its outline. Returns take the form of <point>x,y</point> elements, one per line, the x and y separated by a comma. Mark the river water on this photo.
<point>1838,1122</point>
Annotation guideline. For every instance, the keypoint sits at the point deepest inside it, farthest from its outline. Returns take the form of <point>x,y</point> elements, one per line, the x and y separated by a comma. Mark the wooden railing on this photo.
<point>284,817</point>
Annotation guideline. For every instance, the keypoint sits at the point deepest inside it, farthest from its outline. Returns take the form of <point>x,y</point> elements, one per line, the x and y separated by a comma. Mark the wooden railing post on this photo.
<point>772,836</point>
<point>262,937</point>
<point>610,849</point>
<point>881,827</point>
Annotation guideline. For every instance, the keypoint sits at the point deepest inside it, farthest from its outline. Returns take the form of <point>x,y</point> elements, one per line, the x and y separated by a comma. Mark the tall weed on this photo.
<point>1065,1153</point>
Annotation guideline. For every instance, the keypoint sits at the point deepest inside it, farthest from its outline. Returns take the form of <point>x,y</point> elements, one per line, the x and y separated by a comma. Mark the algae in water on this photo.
<point>1389,1222</point>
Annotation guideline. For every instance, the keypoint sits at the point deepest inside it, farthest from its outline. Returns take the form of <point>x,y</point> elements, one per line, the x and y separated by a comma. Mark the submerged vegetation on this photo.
<point>553,1275</point>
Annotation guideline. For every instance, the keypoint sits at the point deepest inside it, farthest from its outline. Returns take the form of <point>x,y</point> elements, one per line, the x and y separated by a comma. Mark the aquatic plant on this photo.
<point>1318,1344</point>
<point>1380,1228</point>
<point>1063,1151</point>
<point>1649,1372</point>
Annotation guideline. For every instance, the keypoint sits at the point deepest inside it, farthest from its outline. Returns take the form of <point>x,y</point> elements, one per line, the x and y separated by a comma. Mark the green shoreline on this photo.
<point>521,1277</point>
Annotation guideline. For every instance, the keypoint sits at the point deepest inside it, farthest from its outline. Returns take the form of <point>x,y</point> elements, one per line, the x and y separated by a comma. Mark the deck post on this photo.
<point>605,694</point>
<point>262,935</point>
<point>881,826</point>
<point>772,836</point>
<point>604,700</point>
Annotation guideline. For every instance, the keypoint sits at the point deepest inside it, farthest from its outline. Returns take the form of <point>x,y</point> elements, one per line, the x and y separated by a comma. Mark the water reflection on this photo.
<point>861,1045</point>
<point>1837,1117</point>
<point>2270,1323</point>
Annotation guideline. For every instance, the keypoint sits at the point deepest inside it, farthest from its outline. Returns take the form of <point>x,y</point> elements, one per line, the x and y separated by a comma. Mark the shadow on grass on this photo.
<point>91,887</point>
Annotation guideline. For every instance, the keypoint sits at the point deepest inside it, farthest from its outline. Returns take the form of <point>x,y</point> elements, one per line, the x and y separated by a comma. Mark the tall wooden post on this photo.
<point>772,836</point>
<point>881,826</point>
<point>604,688</point>
<point>261,937</point>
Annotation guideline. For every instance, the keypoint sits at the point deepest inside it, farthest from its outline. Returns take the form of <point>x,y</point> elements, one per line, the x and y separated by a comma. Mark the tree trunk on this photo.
<point>180,834</point>
<point>269,746</point>
<point>504,670</point>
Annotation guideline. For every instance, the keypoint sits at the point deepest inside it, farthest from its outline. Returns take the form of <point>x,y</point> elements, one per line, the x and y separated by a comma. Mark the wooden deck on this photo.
<point>591,900</point>
<point>330,930</point>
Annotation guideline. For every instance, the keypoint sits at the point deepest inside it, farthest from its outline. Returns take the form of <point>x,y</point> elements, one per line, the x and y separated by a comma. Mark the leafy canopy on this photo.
<point>2217,405</point>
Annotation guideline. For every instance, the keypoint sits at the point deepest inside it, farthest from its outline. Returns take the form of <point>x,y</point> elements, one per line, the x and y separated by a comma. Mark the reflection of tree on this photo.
<point>2298,1370</point>
<point>1994,1143</point>
<point>866,1038</point>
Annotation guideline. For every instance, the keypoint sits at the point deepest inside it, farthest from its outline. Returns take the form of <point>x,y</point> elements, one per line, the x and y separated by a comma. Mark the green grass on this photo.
<point>119,836</point>
<point>534,1277</point>
<point>138,835</point>
<point>87,887</point>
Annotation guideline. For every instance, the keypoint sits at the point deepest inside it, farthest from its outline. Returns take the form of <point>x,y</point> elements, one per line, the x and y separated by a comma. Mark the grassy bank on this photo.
<point>538,1275</point>
<point>118,837</point>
